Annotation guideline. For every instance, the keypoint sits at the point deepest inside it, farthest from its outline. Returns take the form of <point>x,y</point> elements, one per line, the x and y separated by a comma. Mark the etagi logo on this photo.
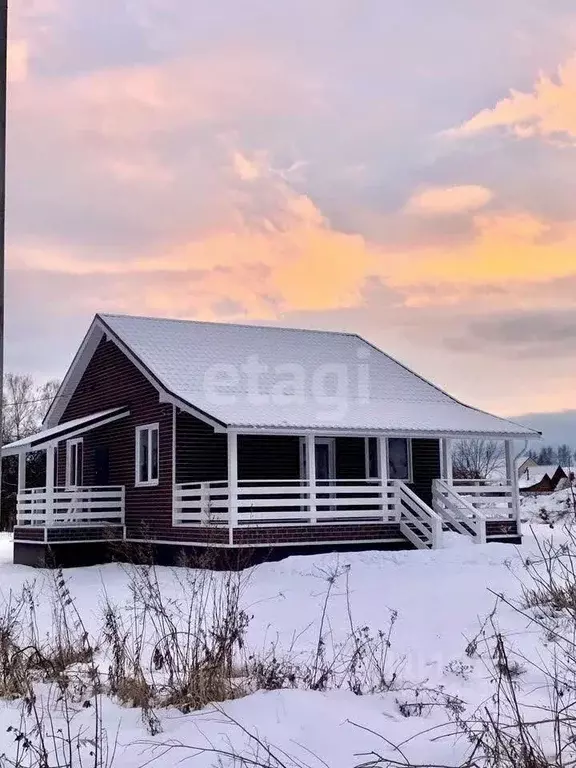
<point>328,387</point>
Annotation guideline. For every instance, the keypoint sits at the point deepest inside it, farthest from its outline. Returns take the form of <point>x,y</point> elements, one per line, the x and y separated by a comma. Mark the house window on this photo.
<point>325,450</point>
<point>371,458</point>
<point>147,455</point>
<point>74,462</point>
<point>399,459</point>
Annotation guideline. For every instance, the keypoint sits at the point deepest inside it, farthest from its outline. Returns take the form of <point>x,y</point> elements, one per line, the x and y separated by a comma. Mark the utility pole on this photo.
<point>3,87</point>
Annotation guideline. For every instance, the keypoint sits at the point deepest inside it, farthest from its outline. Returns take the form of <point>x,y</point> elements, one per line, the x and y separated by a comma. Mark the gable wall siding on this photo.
<point>111,380</point>
<point>201,454</point>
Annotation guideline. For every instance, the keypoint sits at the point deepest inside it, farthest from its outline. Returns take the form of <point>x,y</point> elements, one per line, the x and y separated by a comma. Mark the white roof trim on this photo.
<point>74,374</point>
<point>64,431</point>
<point>361,432</point>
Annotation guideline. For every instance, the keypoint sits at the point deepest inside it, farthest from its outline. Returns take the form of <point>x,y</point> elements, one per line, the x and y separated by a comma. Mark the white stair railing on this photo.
<point>420,524</point>
<point>458,512</point>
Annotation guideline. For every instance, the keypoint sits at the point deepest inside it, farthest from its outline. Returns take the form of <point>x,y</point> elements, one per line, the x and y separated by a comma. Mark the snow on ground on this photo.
<point>441,598</point>
<point>548,508</point>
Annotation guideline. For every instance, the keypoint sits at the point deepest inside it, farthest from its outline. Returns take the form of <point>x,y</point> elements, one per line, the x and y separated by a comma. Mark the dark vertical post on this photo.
<point>3,85</point>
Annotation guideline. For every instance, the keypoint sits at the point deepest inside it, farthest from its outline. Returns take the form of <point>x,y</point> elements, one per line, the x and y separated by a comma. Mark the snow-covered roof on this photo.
<point>66,429</point>
<point>533,475</point>
<point>244,376</point>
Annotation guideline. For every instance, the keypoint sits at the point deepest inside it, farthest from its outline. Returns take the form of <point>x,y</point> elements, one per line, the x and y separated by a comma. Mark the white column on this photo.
<point>21,471</point>
<point>173,464</point>
<point>311,473</point>
<point>21,479</point>
<point>232,484</point>
<point>512,477</point>
<point>383,474</point>
<point>446,459</point>
<point>49,485</point>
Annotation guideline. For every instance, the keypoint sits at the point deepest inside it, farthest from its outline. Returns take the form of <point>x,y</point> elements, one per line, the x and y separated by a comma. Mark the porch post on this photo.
<point>49,517</point>
<point>232,484</point>
<point>311,473</point>
<point>21,470</point>
<point>512,477</point>
<point>21,478</point>
<point>383,473</point>
<point>446,459</point>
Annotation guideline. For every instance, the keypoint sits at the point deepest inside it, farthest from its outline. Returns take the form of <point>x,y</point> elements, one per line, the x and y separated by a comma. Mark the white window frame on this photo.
<point>331,443</point>
<point>367,474</point>
<point>70,481</point>
<point>150,428</point>
<point>410,478</point>
<point>57,462</point>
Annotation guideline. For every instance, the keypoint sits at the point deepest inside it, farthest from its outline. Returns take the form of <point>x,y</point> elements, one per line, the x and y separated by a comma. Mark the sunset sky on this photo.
<point>405,169</point>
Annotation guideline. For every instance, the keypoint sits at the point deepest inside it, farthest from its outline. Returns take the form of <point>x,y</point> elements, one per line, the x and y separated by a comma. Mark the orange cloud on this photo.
<point>441,201</point>
<point>297,261</point>
<point>548,111</point>
<point>294,260</point>
<point>506,248</point>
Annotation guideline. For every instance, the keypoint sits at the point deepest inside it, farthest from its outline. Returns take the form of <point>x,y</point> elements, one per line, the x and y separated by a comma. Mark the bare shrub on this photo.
<point>362,661</point>
<point>54,730</point>
<point>183,653</point>
<point>156,651</point>
<point>57,682</point>
<point>530,719</point>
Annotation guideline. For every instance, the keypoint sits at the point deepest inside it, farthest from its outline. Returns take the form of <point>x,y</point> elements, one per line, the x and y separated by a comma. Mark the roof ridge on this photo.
<point>229,325</point>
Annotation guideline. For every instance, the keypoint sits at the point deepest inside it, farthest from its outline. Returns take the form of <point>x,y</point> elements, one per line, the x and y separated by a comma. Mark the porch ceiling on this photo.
<point>67,429</point>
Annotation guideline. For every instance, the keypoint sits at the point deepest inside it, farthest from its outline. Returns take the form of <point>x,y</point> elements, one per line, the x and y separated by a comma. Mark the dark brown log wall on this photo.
<point>268,457</point>
<point>201,454</point>
<point>111,380</point>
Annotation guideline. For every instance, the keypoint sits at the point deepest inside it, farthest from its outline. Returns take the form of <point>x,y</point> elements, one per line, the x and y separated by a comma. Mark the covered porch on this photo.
<point>327,482</point>
<point>64,501</point>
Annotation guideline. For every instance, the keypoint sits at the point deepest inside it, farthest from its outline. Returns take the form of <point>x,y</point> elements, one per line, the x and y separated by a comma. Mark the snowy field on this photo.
<point>440,598</point>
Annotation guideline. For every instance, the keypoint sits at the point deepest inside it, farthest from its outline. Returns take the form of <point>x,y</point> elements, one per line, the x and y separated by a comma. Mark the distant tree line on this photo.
<point>24,406</point>
<point>550,454</point>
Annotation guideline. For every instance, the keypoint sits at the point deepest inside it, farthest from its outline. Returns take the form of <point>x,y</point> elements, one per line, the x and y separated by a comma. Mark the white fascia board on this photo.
<point>249,430</point>
<point>74,374</point>
<point>95,333</point>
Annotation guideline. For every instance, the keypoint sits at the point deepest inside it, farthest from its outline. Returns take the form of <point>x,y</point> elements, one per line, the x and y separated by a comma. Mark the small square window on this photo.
<point>147,455</point>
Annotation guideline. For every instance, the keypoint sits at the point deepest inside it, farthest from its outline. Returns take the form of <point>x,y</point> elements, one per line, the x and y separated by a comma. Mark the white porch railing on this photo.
<point>60,507</point>
<point>495,501</point>
<point>299,502</point>
<point>458,511</point>
<point>273,502</point>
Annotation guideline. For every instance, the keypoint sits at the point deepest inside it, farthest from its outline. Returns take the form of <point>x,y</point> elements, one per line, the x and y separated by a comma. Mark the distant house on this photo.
<point>535,478</point>
<point>188,437</point>
<point>524,464</point>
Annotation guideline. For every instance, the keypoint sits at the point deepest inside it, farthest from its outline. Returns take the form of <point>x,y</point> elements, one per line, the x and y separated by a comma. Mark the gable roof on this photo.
<point>243,376</point>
